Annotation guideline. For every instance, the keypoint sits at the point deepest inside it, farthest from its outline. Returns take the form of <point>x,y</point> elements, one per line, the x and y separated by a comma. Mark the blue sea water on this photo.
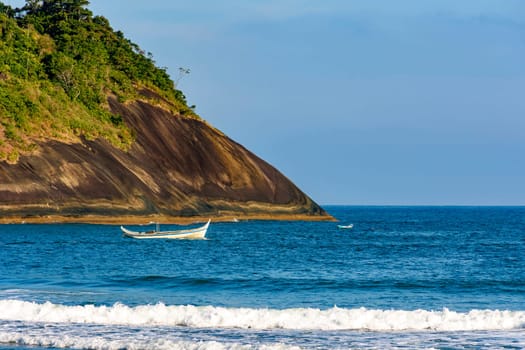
<point>402,278</point>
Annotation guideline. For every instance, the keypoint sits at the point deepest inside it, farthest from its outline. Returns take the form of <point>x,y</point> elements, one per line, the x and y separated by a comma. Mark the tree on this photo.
<point>62,68</point>
<point>62,8</point>
<point>182,72</point>
<point>7,10</point>
<point>76,8</point>
<point>32,6</point>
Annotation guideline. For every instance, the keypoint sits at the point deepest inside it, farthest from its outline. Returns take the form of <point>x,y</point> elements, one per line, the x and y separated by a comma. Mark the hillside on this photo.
<point>92,130</point>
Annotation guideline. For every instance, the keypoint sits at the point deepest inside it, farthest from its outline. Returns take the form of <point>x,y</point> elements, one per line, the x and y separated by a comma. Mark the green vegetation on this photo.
<point>58,65</point>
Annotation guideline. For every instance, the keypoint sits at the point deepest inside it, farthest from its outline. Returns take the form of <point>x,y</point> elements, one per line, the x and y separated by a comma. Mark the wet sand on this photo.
<point>131,220</point>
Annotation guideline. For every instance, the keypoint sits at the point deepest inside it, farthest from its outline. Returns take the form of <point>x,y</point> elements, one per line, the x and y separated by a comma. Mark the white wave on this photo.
<point>296,319</point>
<point>101,343</point>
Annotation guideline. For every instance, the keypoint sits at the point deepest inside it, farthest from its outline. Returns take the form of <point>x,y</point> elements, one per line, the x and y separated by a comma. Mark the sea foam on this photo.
<point>293,319</point>
<point>101,343</point>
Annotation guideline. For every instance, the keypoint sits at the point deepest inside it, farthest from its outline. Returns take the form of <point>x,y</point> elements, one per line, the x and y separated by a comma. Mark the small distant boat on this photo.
<point>346,226</point>
<point>192,233</point>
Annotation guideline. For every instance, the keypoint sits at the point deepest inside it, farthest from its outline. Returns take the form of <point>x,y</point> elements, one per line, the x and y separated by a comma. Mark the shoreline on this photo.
<point>161,219</point>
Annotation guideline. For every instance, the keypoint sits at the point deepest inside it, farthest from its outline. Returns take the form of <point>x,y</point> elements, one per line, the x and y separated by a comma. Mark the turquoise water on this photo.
<point>403,277</point>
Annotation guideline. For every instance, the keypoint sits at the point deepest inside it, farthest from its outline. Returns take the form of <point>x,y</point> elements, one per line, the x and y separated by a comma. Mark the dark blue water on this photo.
<point>395,259</point>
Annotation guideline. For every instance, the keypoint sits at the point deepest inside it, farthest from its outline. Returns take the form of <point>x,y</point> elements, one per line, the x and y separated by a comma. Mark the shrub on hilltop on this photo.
<point>58,65</point>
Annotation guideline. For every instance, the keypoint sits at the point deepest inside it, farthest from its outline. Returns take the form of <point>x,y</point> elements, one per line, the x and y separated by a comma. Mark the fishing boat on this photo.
<point>190,233</point>
<point>346,226</point>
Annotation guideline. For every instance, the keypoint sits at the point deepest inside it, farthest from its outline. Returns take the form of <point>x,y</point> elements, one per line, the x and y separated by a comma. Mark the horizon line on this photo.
<point>425,205</point>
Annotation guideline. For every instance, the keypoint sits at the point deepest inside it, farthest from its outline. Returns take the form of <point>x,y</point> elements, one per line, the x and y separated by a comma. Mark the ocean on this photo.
<point>401,278</point>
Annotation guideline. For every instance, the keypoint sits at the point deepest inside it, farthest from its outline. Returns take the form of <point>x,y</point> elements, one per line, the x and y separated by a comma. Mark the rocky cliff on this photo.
<point>177,167</point>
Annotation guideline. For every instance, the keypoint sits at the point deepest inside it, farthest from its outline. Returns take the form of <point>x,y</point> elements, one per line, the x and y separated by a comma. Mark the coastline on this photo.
<point>162,219</point>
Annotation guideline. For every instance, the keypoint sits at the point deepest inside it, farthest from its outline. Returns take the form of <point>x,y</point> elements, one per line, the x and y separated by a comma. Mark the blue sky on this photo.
<point>408,102</point>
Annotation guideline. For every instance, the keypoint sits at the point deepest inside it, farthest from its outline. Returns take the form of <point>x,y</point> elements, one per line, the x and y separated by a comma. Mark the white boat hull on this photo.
<point>195,233</point>
<point>346,226</point>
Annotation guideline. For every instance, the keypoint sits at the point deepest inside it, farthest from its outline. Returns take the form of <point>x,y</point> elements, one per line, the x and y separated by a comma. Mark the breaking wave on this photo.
<point>251,318</point>
<point>101,343</point>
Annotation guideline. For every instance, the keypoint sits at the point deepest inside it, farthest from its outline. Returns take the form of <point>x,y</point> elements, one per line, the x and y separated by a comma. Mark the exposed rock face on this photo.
<point>177,167</point>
